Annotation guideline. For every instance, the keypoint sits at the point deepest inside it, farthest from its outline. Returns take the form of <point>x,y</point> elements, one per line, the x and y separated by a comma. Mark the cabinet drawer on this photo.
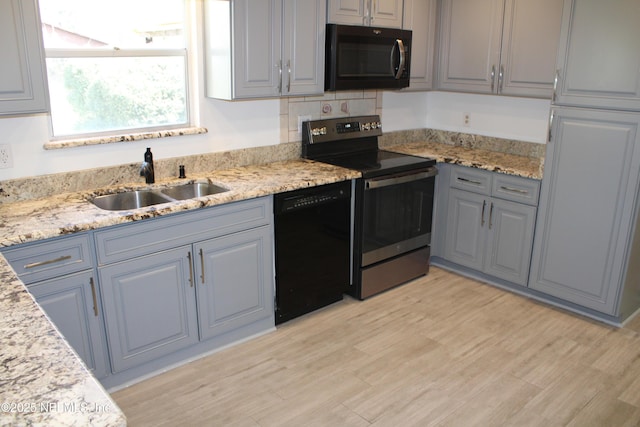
<point>517,189</point>
<point>52,258</point>
<point>146,237</point>
<point>470,179</point>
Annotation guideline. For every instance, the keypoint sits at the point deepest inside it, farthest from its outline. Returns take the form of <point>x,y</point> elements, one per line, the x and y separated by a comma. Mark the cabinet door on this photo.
<point>73,305</point>
<point>257,63</point>
<point>530,38</point>
<point>469,48</point>
<point>466,228</point>
<point>510,240</point>
<point>149,307</point>
<point>599,54</point>
<point>303,47</point>
<point>420,18</point>
<point>234,281</point>
<point>22,74</point>
<point>586,207</point>
<point>386,13</point>
<point>348,12</point>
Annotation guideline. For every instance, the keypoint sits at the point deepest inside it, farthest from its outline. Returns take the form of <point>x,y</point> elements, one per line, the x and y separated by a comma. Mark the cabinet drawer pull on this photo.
<point>484,205</point>
<point>202,265</point>
<point>51,261</point>
<point>470,181</point>
<point>514,190</point>
<point>190,269</point>
<point>95,297</point>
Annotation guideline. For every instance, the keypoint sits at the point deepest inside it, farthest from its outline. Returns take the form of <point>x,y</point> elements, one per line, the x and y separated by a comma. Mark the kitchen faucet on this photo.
<point>146,169</point>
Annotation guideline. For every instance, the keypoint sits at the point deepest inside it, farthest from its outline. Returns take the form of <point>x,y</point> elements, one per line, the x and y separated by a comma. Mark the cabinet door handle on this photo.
<point>95,297</point>
<point>493,77</point>
<point>279,65</point>
<point>491,216</point>
<point>513,190</point>
<point>190,269</point>
<point>555,86</point>
<point>288,77</point>
<point>50,261</point>
<point>202,265</point>
<point>470,181</point>
<point>484,205</point>
<point>550,125</point>
<point>500,79</point>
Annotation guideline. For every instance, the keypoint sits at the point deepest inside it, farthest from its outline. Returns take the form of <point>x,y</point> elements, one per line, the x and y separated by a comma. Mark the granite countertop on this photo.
<point>38,368</point>
<point>528,167</point>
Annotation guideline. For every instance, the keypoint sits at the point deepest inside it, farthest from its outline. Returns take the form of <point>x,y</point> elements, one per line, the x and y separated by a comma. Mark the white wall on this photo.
<point>522,119</point>
<point>231,125</point>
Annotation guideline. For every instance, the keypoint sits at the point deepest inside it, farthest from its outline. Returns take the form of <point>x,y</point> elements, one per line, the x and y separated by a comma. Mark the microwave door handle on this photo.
<point>403,59</point>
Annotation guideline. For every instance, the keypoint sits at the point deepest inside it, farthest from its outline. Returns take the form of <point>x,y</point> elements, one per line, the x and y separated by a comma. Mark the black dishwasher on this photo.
<point>312,248</point>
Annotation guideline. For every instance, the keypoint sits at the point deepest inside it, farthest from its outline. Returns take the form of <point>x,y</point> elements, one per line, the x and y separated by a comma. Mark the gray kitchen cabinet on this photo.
<point>505,47</point>
<point>599,55</point>
<point>23,87</point>
<point>369,13</point>
<point>420,18</point>
<point>588,208</point>
<point>177,281</point>
<point>150,307</point>
<point>73,305</point>
<point>487,232</point>
<point>233,281</point>
<point>264,48</point>
<point>59,274</point>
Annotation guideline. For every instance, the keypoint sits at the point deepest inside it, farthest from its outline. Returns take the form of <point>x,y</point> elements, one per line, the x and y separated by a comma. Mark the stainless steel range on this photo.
<point>393,201</point>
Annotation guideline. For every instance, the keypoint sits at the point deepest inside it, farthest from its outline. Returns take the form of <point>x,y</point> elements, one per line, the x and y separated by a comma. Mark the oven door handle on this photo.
<point>374,183</point>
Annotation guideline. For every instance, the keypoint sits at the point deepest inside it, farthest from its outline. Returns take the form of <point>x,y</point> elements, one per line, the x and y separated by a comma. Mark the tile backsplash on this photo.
<point>329,105</point>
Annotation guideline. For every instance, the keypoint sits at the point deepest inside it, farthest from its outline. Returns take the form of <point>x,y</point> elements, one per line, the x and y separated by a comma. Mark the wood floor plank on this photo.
<point>442,350</point>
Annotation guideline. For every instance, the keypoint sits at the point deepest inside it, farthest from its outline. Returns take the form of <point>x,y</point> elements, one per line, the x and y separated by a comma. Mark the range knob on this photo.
<point>379,125</point>
<point>366,126</point>
<point>323,130</point>
<point>374,125</point>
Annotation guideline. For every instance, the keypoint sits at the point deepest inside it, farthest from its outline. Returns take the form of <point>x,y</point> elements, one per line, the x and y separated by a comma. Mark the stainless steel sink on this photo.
<point>136,199</point>
<point>196,189</point>
<point>130,200</point>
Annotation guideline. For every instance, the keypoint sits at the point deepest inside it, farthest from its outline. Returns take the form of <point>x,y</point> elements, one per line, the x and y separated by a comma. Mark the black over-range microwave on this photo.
<point>366,57</point>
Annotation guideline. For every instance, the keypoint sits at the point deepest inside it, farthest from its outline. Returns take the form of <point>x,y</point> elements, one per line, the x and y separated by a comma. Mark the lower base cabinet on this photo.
<point>490,235</point>
<point>174,284</point>
<point>72,304</point>
<point>233,285</point>
<point>150,307</point>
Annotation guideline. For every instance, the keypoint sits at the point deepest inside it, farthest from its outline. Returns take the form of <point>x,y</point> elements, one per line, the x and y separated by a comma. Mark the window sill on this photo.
<point>131,137</point>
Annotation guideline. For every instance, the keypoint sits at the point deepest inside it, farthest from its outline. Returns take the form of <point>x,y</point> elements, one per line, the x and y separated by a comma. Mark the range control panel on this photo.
<point>316,131</point>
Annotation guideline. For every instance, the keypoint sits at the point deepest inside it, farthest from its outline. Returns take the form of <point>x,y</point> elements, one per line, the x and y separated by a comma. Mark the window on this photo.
<point>115,66</point>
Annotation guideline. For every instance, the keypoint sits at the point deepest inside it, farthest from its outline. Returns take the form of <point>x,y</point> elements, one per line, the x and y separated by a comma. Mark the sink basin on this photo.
<point>130,200</point>
<point>196,189</point>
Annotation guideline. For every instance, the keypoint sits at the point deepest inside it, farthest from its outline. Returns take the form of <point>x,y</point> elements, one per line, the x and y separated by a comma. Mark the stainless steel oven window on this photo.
<point>397,215</point>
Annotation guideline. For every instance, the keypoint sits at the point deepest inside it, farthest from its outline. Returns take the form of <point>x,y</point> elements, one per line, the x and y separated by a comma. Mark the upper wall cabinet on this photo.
<point>370,13</point>
<point>22,74</point>
<point>264,48</point>
<point>599,55</point>
<point>505,47</point>
<point>420,18</point>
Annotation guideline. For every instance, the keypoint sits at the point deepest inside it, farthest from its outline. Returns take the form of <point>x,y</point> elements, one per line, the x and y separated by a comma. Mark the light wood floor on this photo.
<point>439,351</point>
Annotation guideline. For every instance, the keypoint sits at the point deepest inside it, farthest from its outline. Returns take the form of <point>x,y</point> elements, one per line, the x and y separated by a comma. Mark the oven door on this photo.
<point>397,214</point>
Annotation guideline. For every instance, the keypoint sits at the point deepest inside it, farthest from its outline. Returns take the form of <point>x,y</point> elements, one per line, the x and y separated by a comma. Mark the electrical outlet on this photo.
<point>466,119</point>
<point>300,120</point>
<point>6,159</point>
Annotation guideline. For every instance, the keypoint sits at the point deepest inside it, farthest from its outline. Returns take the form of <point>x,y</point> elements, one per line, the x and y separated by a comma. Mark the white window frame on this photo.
<point>127,52</point>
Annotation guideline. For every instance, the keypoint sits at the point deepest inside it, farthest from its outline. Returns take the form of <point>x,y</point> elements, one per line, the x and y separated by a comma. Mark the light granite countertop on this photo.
<point>528,167</point>
<point>39,370</point>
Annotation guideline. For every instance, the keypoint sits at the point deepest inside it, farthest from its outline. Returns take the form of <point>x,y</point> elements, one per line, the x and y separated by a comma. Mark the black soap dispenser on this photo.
<point>147,167</point>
